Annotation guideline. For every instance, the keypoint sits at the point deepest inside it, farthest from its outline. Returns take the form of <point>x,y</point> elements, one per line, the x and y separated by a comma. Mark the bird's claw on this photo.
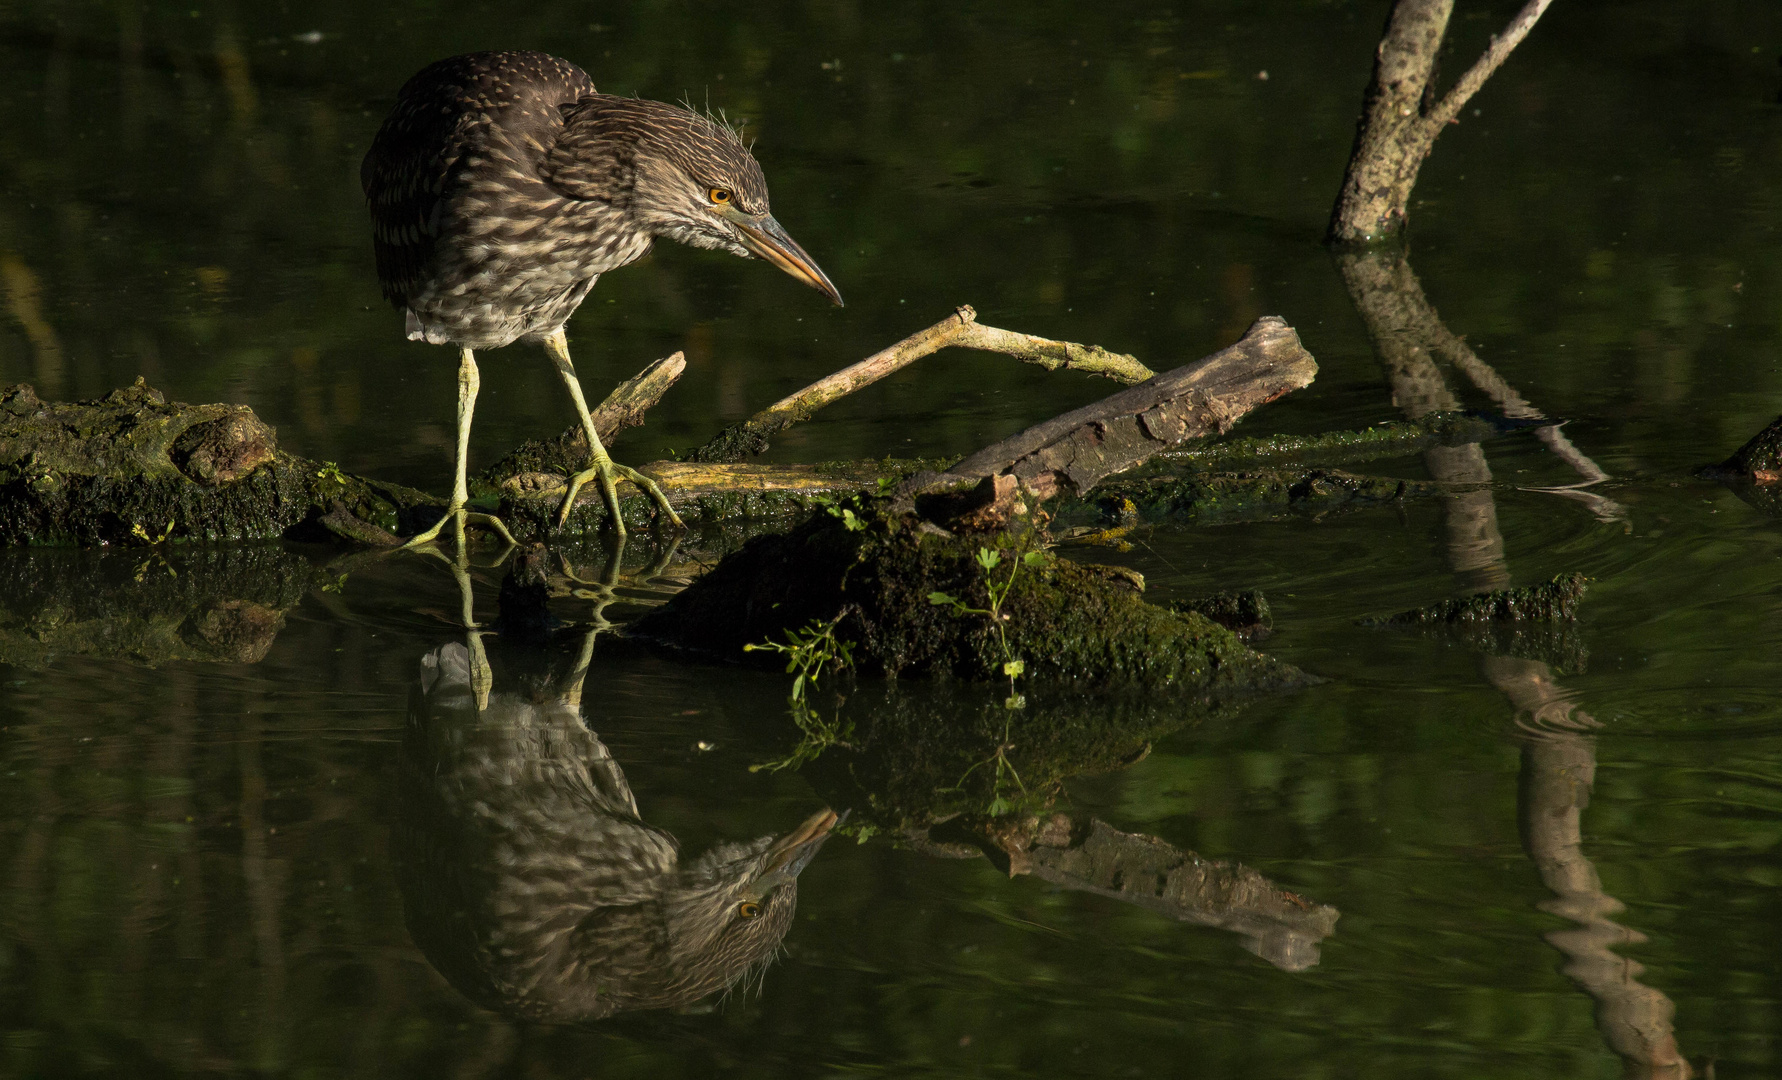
<point>608,472</point>
<point>488,521</point>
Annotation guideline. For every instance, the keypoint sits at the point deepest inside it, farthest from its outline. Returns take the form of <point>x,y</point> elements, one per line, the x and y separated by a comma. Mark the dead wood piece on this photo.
<point>226,449</point>
<point>347,525</point>
<point>961,328</point>
<point>1076,451</point>
<point>702,493</point>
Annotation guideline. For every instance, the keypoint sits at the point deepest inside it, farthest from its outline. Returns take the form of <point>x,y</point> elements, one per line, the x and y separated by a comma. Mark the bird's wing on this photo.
<point>481,110</point>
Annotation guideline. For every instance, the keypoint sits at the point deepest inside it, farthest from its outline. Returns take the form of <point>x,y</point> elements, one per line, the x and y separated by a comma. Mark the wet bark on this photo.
<point>1402,115</point>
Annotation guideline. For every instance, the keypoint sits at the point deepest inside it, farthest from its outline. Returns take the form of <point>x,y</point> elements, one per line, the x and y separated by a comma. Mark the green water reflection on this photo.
<point>197,853</point>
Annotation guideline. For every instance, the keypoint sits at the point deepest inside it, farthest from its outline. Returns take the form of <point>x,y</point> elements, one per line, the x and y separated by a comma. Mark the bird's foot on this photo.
<point>487,521</point>
<point>607,473</point>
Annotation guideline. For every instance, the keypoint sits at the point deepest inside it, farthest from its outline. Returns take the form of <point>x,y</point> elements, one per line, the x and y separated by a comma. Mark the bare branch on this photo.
<point>1052,355</point>
<point>1501,46</point>
<point>961,328</point>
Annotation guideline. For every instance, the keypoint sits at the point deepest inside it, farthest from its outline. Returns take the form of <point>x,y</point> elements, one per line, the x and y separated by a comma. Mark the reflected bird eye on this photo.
<point>748,909</point>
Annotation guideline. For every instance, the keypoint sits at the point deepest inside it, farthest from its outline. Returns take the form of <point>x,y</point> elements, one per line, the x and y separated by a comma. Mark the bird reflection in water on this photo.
<point>528,877</point>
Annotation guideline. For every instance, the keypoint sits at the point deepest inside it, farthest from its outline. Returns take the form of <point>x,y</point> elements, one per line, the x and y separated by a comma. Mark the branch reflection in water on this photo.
<point>1558,757</point>
<point>530,880</point>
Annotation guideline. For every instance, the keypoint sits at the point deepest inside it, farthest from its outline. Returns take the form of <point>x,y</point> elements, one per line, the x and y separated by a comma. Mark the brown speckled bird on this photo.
<point>502,186</point>
<point>531,883</point>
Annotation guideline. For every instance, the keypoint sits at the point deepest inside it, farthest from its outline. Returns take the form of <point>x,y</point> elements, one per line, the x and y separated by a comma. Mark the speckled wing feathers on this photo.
<point>450,117</point>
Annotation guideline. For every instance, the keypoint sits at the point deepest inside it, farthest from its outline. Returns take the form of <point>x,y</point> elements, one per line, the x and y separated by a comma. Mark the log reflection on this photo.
<point>1558,759</point>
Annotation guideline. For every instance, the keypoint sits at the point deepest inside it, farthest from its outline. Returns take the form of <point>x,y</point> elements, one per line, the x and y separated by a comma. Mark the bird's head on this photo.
<point>689,178</point>
<point>735,903</point>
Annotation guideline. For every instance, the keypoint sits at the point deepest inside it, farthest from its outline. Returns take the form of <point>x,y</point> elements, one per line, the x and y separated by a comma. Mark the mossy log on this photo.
<point>1217,497</point>
<point>134,468</point>
<point>1551,601</point>
<point>873,574</point>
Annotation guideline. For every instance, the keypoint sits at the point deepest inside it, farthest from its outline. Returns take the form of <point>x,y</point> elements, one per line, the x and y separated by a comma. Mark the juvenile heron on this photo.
<point>502,186</point>
<point>531,883</point>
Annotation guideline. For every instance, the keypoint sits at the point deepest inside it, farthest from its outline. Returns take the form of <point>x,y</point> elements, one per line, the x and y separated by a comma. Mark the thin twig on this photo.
<point>960,328</point>
<point>1501,46</point>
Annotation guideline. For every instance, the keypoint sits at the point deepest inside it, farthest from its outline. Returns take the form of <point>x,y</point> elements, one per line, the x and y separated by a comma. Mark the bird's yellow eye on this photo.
<point>719,195</point>
<point>748,909</point>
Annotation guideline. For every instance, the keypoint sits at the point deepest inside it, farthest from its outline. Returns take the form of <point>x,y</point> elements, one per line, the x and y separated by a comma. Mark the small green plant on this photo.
<point>809,653</point>
<point>331,471</point>
<point>143,534</point>
<point>844,509</point>
<point>989,559</point>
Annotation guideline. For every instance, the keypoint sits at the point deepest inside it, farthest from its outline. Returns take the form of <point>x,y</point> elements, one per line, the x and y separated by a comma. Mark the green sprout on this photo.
<point>989,559</point>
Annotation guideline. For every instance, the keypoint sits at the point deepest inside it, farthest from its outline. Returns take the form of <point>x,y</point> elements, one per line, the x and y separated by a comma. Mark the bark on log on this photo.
<point>1076,451</point>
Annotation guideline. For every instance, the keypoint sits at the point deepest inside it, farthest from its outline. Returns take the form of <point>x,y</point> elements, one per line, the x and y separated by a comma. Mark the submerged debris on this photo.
<point>1553,601</point>
<point>1755,469</point>
<point>1245,614</point>
<point>1760,459</point>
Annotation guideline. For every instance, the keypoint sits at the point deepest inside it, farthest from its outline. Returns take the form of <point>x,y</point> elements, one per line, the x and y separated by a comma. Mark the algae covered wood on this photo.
<point>134,468</point>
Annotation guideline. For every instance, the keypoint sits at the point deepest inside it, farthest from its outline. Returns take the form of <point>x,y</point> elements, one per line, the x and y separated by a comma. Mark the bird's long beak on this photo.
<point>792,852</point>
<point>769,241</point>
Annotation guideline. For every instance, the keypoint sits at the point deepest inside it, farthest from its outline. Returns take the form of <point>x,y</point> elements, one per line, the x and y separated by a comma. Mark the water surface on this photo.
<point>196,804</point>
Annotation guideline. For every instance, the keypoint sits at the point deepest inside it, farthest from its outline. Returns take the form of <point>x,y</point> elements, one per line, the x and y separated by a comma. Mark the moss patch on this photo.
<point>1551,601</point>
<point>1066,622</point>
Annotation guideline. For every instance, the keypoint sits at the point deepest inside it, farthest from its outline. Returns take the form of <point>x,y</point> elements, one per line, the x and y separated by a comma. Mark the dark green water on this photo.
<point>196,855</point>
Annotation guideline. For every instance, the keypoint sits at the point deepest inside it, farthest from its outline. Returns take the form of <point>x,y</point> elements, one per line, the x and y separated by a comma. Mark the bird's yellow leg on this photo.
<point>468,384</point>
<point>603,469</point>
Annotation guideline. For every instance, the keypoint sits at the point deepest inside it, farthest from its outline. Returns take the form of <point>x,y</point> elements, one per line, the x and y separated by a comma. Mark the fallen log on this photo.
<point>1076,451</point>
<point>133,468</point>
